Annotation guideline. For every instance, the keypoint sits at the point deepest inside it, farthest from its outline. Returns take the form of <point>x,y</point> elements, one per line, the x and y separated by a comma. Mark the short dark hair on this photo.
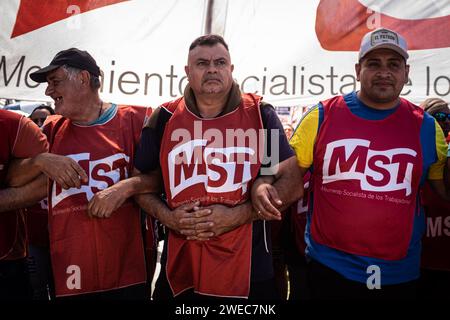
<point>208,40</point>
<point>43,106</point>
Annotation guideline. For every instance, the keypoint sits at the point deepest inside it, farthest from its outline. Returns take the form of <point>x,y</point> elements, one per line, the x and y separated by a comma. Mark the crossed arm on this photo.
<point>202,223</point>
<point>13,198</point>
<point>63,170</point>
<point>106,201</point>
<point>27,179</point>
<point>273,194</point>
<point>192,220</point>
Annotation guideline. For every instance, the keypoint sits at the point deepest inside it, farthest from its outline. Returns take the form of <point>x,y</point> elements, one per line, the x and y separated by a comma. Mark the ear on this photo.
<point>186,70</point>
<point>232,67</point>
<point>357,70</point>
<point>85,77</point>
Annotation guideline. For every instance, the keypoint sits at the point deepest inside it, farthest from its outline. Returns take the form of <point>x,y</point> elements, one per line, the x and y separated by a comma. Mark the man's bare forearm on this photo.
<point>153,205</point>
<point>21,172</point>
<point>140,184</point>
<point>289,191</point>
<point>146,183</point>
<point>289,183</point>
<point>21,197</point>
<point>244,213</point>
<point>149,187</point>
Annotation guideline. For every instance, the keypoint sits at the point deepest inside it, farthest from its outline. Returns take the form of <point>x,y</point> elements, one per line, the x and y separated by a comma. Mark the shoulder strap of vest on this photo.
<point>250,100</point>
<point>329,103</point>
<point>171,106</point>
<point>158,119</point>
<point>417,111</point>
<point>57,125</point>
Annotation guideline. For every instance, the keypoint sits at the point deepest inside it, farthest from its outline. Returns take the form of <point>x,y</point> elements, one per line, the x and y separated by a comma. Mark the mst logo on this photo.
<point>219,169</point>
<point>352,159</point>
<point>102,174</point>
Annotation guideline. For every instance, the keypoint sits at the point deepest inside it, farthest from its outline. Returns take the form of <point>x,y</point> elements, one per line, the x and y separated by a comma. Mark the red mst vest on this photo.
<point>436,242</point>
<point>12,224</point>
<point>200,160</point>
<point>365,181</point>
<point>93,255</point>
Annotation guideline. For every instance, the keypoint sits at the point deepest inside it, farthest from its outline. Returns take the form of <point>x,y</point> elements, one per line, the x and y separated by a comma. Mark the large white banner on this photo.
<point>293,52</point>
<point>141,46</point>
<point>300,52</point>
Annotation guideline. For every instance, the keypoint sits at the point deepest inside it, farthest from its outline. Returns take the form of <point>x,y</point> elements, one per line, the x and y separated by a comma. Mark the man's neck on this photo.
<point>211,106</point>
<point>377,105</point>
<point>91,110</point>
<point>204,106</point>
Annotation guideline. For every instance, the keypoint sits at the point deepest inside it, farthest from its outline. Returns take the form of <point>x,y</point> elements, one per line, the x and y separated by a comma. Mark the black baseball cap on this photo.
<point>72,57</point>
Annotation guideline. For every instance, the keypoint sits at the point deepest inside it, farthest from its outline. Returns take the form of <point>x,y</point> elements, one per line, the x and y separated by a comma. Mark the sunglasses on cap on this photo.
<point>441,116</point>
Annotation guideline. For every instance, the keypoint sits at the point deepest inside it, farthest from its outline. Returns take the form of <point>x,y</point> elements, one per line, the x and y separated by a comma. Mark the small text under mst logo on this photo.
<point>377,170</point>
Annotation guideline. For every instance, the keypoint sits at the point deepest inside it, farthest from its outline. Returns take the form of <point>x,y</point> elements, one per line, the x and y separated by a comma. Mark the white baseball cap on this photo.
<point>383,38</point>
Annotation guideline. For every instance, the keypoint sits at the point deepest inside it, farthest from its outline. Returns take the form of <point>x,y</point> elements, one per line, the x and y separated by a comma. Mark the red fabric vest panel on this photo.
<point>214,171</point>
<point>365,180</point>
<point>91,255</point>
<point>436,242</point>
<point>12,224</point>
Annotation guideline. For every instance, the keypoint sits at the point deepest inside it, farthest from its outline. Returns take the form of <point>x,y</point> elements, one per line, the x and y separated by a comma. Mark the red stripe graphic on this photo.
<point>34,14</point>
<point>340,26</point>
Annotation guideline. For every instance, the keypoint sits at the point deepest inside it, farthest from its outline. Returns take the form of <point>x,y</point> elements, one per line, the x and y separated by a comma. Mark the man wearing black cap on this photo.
<point>370,152</point>
<point>59,73</point>
<point>91,256</point>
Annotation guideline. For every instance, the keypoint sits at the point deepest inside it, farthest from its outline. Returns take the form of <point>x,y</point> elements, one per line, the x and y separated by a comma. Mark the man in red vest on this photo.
<point>96,244</point>
<point>370,151</point>
<point>435,273</point>
<point>23,156</point>
<point>209,146</point>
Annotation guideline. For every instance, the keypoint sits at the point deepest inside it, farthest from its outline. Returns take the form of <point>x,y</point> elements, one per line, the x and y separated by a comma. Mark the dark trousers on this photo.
<point>325,283</point>
<point>434,284</point>
<point>40,273</point>
<point>298,280</point>
<point>14,280</point>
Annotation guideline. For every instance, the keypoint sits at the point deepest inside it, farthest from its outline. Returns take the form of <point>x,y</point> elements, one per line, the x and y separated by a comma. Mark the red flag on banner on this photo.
<point>340,26</point>
<point>33,15</point>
